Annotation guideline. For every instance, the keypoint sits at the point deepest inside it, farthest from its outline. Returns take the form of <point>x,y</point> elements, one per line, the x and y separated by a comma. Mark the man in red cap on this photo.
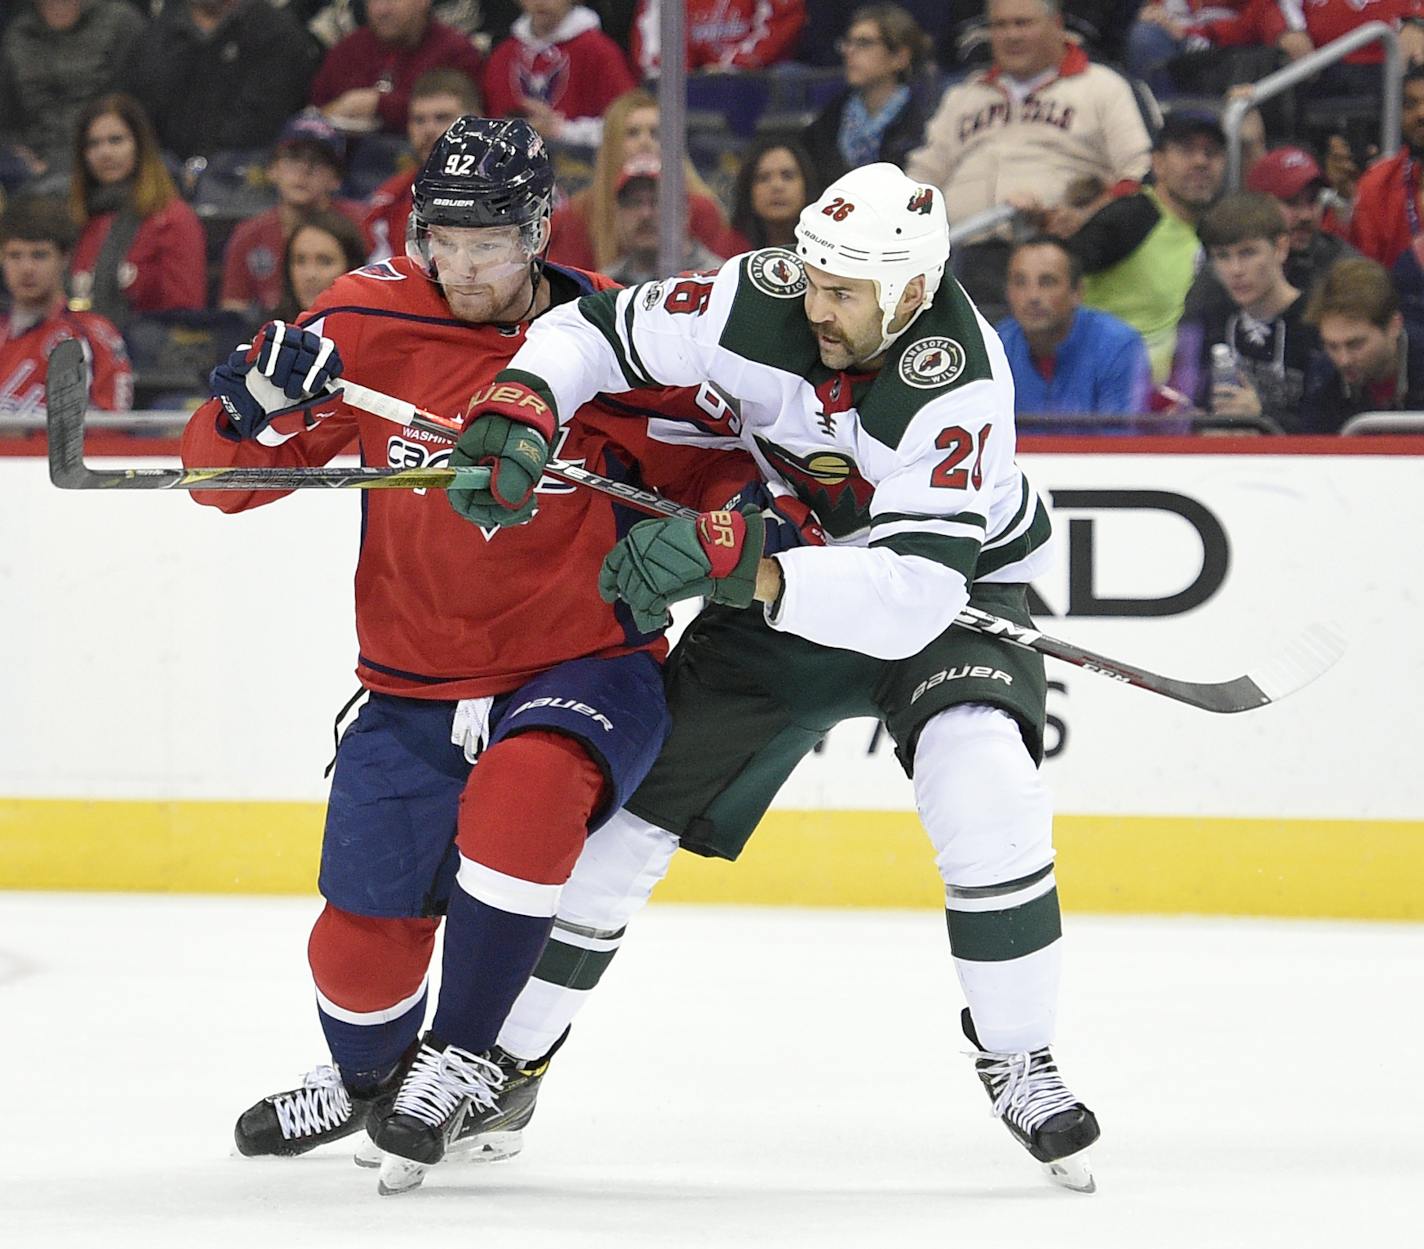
<point>1293,177</point>
<point>635,227</point>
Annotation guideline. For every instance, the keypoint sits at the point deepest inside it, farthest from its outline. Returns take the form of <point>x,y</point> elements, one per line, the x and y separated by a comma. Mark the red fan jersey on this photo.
<point>386,214</point>
<point>445,609</point>
<point>24,360</point>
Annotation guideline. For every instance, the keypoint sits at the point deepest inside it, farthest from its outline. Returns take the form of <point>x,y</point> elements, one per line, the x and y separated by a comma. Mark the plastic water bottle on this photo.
<point>1223,366</point>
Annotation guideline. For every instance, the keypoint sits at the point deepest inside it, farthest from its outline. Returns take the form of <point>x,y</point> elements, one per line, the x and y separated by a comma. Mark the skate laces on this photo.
<point>439,1080</point>
<point>1027,1087</point>
<point>321,1104</point>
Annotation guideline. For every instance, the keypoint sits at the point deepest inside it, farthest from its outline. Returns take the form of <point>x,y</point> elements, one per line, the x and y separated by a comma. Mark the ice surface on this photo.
<point>743,1077</point>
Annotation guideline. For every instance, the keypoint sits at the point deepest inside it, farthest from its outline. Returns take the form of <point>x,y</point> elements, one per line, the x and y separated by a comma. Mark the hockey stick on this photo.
<point>67,397</point>
<point>67,400</point>
<point>1297,664</point>
<point>67,389</point>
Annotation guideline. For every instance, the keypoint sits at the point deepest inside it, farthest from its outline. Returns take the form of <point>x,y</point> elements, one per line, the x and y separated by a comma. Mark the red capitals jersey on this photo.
<point>576,77</point>
<point>1326,20</point>
<point>726,34</point>
<point>444,609</point>
<point>24,361</point>
<point>386,214</point>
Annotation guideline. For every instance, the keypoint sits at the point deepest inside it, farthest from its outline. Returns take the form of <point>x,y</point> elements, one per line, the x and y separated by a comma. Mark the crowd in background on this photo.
<point>176,172</point>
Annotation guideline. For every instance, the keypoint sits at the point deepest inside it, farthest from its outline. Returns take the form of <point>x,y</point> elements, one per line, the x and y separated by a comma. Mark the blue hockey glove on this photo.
<point>272,387</point>
<point>789,522</point>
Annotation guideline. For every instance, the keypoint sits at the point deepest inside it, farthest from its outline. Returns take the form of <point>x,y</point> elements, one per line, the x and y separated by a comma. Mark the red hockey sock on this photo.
<point>526,807</point>
<point>365,964</point>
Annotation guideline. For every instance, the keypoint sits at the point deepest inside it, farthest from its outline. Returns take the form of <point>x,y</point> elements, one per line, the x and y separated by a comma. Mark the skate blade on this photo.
<point>489,1147</point>
<point>1073,1172</point>
<point>399,1175</point>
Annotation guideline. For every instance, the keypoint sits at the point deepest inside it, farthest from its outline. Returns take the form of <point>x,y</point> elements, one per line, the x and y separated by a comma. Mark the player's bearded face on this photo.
<point>483,272</point>
<point>845,317</point>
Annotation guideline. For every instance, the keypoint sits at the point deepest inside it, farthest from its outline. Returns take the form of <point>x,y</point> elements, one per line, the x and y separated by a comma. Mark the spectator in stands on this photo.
<point>776,181</point>
<point>1247,243</point>
<point>1386,214</point>
<point>1140,253</point>
<point>636,227</point>
<point>1198,47</point>
<point>882,113</point>
<point>55,58</point>
<point>1298,29</point>
<point>35,238</point>
<point>722,35</point>
<point>1022,131</point>
<point>583,230</point>
<point>1374,365</point>
<point>559,71</point>
<point>305,170</point>
<point>365,81</point>
<point>220,75</point>
<point>1343,163</point>
<point>322,247</point>
<point>437,98</point>
<point>1067,359</point>
<point>141,248</point>
<point>1291,177</point>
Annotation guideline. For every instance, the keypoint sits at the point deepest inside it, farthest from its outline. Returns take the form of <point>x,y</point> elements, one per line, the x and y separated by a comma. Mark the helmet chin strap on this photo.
<point>887,339</point>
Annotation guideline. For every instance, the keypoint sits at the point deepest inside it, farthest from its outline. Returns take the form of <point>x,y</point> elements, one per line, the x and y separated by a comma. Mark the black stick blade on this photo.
<point>66,401</point>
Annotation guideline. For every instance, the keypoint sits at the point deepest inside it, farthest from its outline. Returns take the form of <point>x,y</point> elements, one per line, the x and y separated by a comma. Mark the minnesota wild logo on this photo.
<point>932,362</point>
<point>777,272</point>
<point>829,482</point>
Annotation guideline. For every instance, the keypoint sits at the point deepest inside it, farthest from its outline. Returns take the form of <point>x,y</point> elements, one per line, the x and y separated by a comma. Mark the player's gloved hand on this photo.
<point>789,522</point>
<point>272,387</point>
<point>509,431</point>
<point>661,562</point>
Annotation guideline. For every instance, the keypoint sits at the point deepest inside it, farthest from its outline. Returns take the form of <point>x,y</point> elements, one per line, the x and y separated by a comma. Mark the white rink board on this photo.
<point>162,650</point>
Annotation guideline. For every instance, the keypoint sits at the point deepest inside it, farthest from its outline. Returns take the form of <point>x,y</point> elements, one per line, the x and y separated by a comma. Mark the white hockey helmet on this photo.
<point>877,223</point>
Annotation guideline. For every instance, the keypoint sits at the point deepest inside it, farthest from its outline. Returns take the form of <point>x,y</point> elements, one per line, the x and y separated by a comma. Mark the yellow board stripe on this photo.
<point>1357,869</point>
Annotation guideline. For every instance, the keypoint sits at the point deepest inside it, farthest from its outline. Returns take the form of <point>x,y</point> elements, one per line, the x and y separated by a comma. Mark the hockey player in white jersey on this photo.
<point>869,388</point>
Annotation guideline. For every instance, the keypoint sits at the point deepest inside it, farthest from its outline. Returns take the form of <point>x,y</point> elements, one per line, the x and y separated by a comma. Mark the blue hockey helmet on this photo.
<point>483,172</point>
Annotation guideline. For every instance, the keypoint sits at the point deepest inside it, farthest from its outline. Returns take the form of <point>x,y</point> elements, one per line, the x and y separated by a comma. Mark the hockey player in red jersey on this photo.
<point>474,643</point>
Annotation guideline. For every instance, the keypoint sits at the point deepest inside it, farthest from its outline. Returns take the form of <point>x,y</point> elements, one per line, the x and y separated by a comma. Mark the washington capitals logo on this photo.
<point>921,201</point>
<point>829,482</point>
<point>543,77</point>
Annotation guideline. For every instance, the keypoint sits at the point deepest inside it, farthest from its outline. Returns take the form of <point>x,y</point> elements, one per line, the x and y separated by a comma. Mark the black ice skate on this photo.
<point>323,1109</point>
<point>1045,1118</point>
<point>497,1133</point>
<point>442,1088</point>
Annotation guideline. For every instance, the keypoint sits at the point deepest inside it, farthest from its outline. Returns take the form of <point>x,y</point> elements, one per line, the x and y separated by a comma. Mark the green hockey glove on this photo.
<point>661,562</point>
<point>509,430</point>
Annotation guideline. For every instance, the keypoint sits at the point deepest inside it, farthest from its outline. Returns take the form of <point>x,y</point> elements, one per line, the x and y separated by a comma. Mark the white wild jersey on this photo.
<point>910,470</point>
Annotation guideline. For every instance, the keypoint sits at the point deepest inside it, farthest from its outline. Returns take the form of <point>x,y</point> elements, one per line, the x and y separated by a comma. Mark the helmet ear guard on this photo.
<point>875,223</point>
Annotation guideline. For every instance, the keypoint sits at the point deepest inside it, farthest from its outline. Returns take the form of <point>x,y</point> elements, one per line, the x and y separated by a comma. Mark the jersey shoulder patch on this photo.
<point>766,322</point>
<point>942,351</point>
<point>776,272</point>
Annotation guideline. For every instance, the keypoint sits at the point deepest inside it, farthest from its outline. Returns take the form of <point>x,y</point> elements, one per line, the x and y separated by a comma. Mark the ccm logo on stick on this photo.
<point>568,704</point>
<point>958,674</point>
